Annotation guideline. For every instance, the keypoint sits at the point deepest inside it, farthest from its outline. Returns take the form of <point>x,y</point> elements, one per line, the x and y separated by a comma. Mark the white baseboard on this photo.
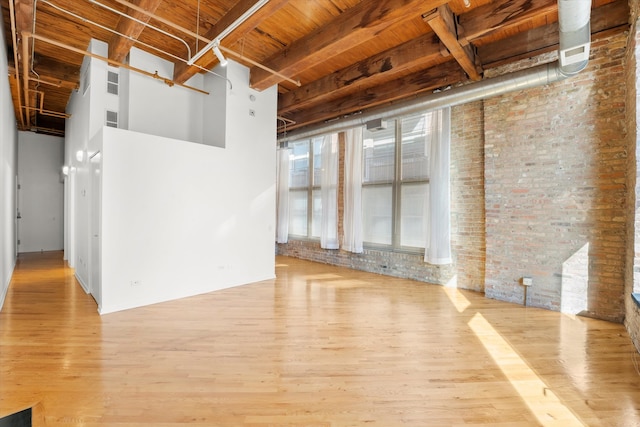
<point>5,288</point>
<point>84,285</point>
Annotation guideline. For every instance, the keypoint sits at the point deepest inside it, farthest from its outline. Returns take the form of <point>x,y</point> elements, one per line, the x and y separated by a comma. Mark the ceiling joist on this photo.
<point>119,46</point>
<point>442,21</point>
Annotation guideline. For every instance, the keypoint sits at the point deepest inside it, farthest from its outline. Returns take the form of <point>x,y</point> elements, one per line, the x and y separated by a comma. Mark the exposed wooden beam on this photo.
<point>354,26</point>
<point>421,50</point>
<point>502,15</point>
<point>24,15</point>
<point>183,72</point>
<point>442,21</point>
<point>24,22</point>
<point>119,46</point>
<point>419,82</point>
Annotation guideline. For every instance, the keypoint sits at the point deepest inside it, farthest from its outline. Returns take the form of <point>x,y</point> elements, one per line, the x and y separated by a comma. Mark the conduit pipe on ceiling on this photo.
<point>26,35</point>
<point>573,57</point>
<point>16,67</point>
<point>25,77</point>
<point>134,40</point>
<point>161,31</point>
<point>205,40</point>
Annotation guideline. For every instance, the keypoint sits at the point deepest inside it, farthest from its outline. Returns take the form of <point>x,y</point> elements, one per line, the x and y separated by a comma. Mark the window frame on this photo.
<point>396,192</point>
<point>310,188</point>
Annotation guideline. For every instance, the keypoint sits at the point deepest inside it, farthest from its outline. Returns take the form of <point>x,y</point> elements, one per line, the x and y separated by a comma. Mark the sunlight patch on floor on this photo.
<point>459,301</point>
<point>540,399</point>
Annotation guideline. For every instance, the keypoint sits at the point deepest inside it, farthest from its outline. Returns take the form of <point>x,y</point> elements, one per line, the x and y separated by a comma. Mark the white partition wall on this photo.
<point>179,218</point>
<point>158,109</point>
<point>8,172</point>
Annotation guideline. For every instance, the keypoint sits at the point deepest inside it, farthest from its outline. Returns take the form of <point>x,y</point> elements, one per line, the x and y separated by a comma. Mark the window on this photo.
<point>377,184</point>
<point>305,205</point>
<point>395,183</point>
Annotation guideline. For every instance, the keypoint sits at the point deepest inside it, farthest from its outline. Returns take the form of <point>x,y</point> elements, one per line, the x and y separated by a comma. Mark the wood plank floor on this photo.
<point>318,346</point>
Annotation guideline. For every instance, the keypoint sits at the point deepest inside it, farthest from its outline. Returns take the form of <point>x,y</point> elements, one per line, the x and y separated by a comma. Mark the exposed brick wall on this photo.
<point>632,319</point>
<point>467,215</point>
<point>467,195</point>
<point>405,265</point>
<point>555,185</point>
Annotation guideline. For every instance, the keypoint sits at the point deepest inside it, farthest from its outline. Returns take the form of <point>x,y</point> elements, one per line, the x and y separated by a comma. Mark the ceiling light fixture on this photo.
<point>213,45</point>
<point>218,54</point>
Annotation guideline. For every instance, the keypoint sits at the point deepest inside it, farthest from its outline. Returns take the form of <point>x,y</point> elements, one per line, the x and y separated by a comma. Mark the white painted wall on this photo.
<point>8,172</point>
<point>214,125</point>
<point>158,109</point>
<point>87,109</point>
<point>180,218</point>
<point>41,195</point>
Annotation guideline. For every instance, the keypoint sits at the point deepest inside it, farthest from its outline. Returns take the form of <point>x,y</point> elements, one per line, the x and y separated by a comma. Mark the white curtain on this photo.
<point>352,221</point>
<point>282,195</point>
<point>438,244</point>
<point>329,192</point>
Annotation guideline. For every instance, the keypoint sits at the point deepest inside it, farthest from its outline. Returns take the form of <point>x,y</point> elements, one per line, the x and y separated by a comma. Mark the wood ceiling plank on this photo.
<point>425,49</point>
<point>413,84</point>
<point>55,69</point>
<point>119,46</point>
<point>442,21</point>
<point>50,81</point>
<point>353,27</point>
<point>501,15</point>
<point>183,72</point>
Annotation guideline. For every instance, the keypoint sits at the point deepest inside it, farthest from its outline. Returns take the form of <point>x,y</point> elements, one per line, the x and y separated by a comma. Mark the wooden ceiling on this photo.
<point>347,55</point>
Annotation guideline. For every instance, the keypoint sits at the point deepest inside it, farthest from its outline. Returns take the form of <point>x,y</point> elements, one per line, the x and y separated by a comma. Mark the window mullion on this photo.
<point>310,190</point>
<point>397,177</point>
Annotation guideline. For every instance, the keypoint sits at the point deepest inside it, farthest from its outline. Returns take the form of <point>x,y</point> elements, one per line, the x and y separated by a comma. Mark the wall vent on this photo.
<point>112,82</point>
<point>112,119</point>
<point>377,124</point>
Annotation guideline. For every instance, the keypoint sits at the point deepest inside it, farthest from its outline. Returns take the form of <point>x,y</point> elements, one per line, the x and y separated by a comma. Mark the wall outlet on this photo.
<point>527,281</point>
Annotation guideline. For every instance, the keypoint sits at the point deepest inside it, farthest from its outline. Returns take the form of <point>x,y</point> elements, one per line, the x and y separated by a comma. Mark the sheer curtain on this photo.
<point>329,192</point>
<point>282,195</point>
<point>353,191</point>
<point>438,244</point>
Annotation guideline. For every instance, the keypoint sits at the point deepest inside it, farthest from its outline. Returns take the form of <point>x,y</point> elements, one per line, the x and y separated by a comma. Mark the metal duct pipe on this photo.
<point>575,41</point>
<point>575,35</point>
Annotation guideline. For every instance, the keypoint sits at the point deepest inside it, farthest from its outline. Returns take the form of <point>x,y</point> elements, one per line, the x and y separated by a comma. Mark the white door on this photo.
<point>95,214</point>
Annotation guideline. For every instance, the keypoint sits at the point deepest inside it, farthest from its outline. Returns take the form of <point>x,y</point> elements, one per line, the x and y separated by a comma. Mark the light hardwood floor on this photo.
<point>318,346</point>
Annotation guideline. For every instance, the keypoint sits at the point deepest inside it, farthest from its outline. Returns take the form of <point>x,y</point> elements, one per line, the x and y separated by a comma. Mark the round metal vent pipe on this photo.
<point>575,41</point>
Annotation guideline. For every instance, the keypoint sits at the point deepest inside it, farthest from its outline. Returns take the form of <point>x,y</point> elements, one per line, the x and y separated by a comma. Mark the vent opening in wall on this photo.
<point>112,82</point>
<point>112,119</point>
